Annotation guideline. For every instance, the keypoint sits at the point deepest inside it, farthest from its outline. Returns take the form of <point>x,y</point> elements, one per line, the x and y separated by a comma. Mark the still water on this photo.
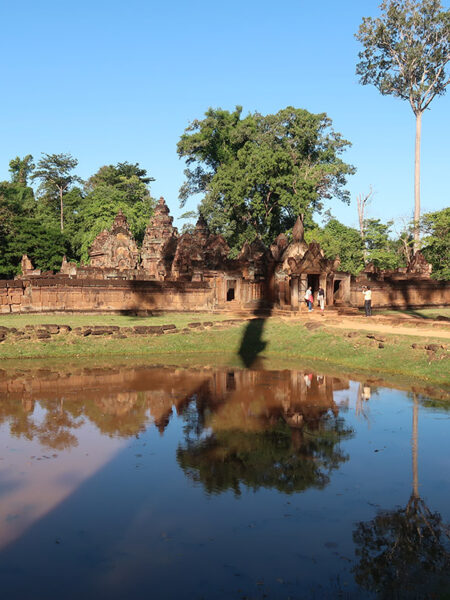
<point>153,482</point>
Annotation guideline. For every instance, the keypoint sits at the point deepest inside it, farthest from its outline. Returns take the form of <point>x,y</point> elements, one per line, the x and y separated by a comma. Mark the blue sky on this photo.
<point>114,81</point>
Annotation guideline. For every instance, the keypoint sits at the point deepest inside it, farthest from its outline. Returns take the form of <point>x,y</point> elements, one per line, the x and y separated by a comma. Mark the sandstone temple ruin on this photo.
<point>193,271</point>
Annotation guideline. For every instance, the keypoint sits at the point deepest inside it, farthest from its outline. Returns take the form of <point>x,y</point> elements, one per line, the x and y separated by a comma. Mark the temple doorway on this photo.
<point>313,281</point>
<point>231,286</point>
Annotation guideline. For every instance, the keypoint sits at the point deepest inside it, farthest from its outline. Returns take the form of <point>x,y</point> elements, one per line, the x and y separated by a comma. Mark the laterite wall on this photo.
<point>85,295</point>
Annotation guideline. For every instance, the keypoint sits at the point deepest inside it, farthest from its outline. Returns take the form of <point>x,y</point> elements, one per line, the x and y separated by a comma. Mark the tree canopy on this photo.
<point>32,225</point>
<point>337,239</point>
<point>21,232</point>
<point>259,173</point>
<point>21,169</point>
<point>55,174</point>
<point>436,226</point>
<point>123,186</point>
<point>406,52</point>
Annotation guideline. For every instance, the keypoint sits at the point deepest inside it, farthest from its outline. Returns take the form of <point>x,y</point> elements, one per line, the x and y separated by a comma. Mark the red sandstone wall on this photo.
<point>402,293</point>
<point>87,295</point>
<point>48,295</point>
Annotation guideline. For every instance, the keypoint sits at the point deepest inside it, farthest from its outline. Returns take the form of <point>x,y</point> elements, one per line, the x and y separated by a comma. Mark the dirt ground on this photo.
<point>398,325</point>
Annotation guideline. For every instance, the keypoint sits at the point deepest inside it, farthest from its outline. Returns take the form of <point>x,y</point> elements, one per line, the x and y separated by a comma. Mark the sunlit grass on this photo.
<point>288,341</point>
<point>78,320</point>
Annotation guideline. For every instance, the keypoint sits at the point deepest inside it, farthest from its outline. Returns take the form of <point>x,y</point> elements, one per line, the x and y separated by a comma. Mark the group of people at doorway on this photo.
<point>309,299</point>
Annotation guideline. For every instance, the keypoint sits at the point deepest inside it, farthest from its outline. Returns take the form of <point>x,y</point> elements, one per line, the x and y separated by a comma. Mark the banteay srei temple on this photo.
<point>193,272</point>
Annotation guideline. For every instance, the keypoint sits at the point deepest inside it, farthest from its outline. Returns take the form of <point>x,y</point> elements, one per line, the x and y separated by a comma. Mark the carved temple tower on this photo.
<point>116,248</point>
<point>160,242</point>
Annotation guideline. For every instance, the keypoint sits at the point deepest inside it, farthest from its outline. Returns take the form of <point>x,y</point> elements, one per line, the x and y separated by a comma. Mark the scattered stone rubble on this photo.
<point>48,331</point>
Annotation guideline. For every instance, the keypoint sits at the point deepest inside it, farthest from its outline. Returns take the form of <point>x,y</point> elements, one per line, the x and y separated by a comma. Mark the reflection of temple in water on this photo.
<point>123,401</point>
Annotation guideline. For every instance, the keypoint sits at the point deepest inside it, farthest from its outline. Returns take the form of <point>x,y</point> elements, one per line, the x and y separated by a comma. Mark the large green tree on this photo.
<point>21,169</point>
<point>436,226</point>
<point>405,54</point>
<point>381,249</point>
<point>123,186</point>
<point>55,174</point>
<point>337,239</point>
<point>22,231</point>
<point>258,173</point>
<point>119,176</point>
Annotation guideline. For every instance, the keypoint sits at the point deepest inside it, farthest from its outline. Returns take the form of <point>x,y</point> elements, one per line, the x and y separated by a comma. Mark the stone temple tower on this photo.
<point>115,248</point>
<point>160,242</point>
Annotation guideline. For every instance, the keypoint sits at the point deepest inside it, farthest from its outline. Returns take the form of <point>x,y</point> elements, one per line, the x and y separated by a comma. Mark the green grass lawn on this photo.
<point>76,320</point>
<point>245,344</point>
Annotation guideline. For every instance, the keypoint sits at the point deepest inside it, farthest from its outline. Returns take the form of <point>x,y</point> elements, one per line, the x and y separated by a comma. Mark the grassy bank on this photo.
<point>245,344</point>
<point>80,320</point>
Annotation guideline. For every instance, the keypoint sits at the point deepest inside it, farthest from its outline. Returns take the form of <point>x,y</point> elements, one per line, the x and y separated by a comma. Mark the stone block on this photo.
<point>43,334</point>
<point>52,329</point>
<point>104,329</point>
<point>147,330</point>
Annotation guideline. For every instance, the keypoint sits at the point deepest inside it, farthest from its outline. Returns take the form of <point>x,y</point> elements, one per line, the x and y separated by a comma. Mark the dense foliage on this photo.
<point>337,239</point>
<point>436,226</point>
<point>62,219</point>
<point>23,232</point>
<point>259,173</point>
<point>124,186</point>
<point>31,223</point>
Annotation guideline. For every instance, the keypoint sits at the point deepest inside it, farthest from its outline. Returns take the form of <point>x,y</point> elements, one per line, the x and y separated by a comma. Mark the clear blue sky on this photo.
<point>114,81</point>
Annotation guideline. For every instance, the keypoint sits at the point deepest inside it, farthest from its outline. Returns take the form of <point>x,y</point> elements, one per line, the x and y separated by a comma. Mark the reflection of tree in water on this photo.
<point>53,431</point>
<point>21,423</point>
<point>276,457</point>
<point>56,429</point>
<point>123,415</point>
<point>405,553</point>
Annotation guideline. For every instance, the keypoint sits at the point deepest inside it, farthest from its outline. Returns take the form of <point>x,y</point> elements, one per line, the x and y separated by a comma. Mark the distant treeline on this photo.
<point>65,214</point>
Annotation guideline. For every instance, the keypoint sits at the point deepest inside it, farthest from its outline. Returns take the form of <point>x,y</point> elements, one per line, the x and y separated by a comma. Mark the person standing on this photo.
<point>309,299</point>
<point>321,298</point>
<point>367,300</point>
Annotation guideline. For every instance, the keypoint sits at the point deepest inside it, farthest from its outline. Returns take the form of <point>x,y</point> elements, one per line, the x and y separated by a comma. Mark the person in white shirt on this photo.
<point>367,300</point>
<point>309,299</point>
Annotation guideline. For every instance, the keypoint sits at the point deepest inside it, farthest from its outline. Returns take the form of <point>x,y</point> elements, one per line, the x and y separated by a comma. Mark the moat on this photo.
<point>161,482</point>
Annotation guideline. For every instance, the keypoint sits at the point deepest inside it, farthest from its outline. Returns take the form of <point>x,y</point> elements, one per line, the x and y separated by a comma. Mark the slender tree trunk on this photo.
<point>415,449</point>
<point>417,182</point>
<point>62,208</point>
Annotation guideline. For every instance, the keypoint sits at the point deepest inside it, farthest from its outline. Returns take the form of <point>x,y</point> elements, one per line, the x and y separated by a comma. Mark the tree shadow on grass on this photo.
<point>252,344</point>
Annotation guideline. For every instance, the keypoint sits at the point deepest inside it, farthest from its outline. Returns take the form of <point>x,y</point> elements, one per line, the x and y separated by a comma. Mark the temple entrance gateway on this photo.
<point>231,287</point>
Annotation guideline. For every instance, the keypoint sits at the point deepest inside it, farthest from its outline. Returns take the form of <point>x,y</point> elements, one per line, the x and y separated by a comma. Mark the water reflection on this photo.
<point>405,552</point>
<point>264,429</point>
<point>123,402</point>
<point>246,483</point>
